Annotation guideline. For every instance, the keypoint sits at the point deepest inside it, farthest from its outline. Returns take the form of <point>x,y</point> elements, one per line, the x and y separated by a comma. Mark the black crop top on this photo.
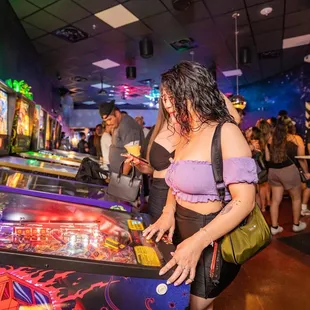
<point>291,151</point>
<point>160,157</point>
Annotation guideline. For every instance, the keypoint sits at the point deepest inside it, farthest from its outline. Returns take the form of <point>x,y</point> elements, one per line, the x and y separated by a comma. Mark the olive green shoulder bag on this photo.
<point>253,234</point>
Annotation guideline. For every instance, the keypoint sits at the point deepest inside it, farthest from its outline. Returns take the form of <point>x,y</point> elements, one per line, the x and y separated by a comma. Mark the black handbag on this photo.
<point>91,173</point>
<point>124,187</point>
<point>303,178</point>
<point>261,168</point>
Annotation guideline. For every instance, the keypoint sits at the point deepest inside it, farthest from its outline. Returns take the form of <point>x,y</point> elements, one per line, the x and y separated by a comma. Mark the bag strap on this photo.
<point>132,174</point>
<point>217,162</point>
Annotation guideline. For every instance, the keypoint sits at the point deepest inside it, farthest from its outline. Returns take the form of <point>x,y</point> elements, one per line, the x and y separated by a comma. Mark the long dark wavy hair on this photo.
<point>279,141</point>
<point>191,81</point>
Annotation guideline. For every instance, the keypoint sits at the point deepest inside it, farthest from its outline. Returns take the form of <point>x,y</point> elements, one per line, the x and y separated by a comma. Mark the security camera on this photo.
<point>307,58</point>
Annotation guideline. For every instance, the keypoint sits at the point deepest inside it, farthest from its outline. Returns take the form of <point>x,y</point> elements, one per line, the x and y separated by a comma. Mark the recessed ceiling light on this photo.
<point>266,11</point>
<point>235,72</point>
<point>296,41</point>
<point>106,64</point>
<point>99,85</point>
<point>89,102</point>
<point>117,16</point>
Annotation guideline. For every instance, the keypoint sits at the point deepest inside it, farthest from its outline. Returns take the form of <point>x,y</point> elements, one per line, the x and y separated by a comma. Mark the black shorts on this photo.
<point>188,222</point>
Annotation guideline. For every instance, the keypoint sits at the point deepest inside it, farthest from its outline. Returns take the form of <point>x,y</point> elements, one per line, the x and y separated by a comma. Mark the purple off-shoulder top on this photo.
<point>193,181</point>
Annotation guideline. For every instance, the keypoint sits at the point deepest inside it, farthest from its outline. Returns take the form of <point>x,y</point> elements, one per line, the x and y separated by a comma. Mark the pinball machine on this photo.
<point>40,133</point>
<point>39,129</point>
<point>17,139</point>
<point>59,255</point>
<point>59,189</point>
<point>7,107</point>
<point>22,125</point>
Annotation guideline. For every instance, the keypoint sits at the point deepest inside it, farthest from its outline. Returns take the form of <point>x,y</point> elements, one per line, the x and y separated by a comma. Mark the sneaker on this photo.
<point>297,228</point>
<point>305,212</point>
<point>277,230</point>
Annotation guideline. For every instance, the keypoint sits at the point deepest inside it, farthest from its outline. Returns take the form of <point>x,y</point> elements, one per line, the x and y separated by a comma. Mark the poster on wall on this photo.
<point>3,113</point>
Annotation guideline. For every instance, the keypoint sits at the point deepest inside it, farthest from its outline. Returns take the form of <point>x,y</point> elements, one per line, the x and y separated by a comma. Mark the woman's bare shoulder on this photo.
<point>234,143</point>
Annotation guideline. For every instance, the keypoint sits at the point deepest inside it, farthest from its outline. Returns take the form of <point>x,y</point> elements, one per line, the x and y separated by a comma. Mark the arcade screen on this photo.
<point>42,226</point>
<point>48,133</point>
<point>4,123</point>
<point>42,128</point>
<point>21,127</point>
<point>3,113</point>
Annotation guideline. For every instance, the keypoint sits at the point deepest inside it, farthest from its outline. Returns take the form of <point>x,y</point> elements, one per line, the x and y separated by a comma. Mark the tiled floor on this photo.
<point>276,279</point>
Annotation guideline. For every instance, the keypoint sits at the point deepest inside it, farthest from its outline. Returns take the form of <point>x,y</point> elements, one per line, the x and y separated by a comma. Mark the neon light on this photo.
<point>20,87</point>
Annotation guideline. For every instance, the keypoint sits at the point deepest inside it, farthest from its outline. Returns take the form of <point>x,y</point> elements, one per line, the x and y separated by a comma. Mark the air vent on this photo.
<point>184,44</point>
<point>79,78</point>
<point>270,54</point>
<point>71,34</point>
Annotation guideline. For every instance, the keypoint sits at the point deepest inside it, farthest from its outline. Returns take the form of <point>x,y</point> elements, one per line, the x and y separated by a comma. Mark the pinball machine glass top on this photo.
<point>42,226</point>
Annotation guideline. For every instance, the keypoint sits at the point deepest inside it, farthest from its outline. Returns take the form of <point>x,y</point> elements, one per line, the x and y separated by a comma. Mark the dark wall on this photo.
<point>287,91</point>
<point>20,61</point>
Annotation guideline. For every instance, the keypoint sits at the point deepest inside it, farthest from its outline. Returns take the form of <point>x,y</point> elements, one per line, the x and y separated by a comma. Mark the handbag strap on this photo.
<point>217,162</point>
<point>133,171</point>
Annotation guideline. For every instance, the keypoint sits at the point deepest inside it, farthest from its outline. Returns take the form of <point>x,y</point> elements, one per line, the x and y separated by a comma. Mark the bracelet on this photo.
<point>167,211</point>
<point>207,232</point>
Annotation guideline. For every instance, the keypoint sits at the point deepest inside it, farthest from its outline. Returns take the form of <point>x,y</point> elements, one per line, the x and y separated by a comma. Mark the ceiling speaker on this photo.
<point>146,48</point>
<point>131,73</point>
<point>181,5</point>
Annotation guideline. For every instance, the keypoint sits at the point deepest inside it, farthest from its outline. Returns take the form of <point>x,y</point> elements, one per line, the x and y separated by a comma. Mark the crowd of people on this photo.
<point>275,144</point>
<point>259,165</point>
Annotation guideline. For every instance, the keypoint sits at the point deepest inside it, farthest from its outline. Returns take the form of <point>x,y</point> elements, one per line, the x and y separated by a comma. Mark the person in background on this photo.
<point>283,174</point>
<point>272,121</point>
<point>105,143</point>
<point>125,130</point>
<point>94,142</point>
<point>241,115</point>
<point>83,145</point>
<point>140,121</point>
<point>263,185</point>
<point>282,113</point>
<point>124,113</point>
<point>306,193</point>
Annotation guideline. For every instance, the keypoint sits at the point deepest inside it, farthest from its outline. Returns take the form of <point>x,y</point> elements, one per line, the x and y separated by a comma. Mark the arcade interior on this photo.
<point>96,97</point>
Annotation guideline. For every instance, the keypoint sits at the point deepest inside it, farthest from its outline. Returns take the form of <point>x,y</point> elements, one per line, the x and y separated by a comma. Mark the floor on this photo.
<point>278,278</point>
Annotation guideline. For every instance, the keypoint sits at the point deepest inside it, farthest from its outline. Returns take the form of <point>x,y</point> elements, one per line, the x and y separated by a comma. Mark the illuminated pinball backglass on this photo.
<point>79,257</point>
<point>3,113</point>
<point>21,133</point>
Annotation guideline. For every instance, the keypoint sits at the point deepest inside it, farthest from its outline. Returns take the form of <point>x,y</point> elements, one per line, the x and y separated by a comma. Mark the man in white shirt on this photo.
<point>140,121</point>
<point>105,142</point>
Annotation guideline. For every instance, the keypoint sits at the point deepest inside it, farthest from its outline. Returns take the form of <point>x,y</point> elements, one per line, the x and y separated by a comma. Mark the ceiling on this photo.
<point>208,22</point>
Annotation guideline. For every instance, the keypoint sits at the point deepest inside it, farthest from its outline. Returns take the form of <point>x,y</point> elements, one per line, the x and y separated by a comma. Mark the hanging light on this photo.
<point>237,100</point>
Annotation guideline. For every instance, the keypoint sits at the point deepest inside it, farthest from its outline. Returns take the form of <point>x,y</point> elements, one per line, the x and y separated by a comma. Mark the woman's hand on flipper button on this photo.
<point>166,223</point>
<point>185,257</point>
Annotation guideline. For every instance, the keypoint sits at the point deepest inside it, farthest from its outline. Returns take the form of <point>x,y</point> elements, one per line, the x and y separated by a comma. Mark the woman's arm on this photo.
<point>231,109</point>
<point>301,152</point>
<point>166,222</point>
<point>243,194</point>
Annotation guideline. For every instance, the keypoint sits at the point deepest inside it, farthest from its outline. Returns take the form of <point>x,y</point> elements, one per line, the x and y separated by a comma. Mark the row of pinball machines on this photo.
<point>64,244</point>
<point>42,172</point>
